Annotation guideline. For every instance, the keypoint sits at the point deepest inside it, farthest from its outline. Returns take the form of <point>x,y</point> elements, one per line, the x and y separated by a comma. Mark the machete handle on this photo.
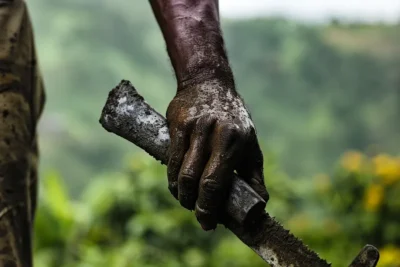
<point>127,115</point>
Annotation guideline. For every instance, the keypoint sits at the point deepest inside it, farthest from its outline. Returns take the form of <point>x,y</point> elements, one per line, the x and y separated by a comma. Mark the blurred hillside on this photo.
<point>314,90</point>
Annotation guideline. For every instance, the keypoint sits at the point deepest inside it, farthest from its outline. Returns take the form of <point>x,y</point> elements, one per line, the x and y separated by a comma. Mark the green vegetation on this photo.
<point>315,91</point>
<point>129,218</point>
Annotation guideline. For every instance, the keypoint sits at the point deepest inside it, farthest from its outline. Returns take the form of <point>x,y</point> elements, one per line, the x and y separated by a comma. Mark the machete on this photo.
<point>127,115</point>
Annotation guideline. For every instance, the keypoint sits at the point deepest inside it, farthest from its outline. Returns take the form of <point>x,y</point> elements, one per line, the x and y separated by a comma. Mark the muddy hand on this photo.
<point>211,132</point>
<point>212,135</point>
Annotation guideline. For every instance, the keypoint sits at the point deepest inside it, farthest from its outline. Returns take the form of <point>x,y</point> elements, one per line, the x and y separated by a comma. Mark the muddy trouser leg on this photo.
<point>17,189</point>
<point>21,103</point>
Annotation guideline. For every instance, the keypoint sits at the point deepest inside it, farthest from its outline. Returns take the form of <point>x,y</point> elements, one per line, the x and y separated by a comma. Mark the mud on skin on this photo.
<point>212,135</point>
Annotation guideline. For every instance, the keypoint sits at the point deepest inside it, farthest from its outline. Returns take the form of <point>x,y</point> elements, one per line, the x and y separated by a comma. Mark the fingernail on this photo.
<point>206,221</point>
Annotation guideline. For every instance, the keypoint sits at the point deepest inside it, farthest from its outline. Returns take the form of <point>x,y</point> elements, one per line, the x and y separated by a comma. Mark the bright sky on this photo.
<point>365,10</point>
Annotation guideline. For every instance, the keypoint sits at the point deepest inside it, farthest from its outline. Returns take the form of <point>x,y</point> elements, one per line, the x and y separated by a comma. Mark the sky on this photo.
<point>315,10</point>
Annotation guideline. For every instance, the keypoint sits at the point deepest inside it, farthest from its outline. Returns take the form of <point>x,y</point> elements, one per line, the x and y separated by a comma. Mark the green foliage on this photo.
<point>130,218</point>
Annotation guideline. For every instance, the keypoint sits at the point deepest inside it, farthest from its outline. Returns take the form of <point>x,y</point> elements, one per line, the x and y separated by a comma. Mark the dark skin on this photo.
<point>212,134</point>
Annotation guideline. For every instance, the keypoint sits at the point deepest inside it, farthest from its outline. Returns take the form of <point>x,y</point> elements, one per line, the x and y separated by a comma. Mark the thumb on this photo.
<point>251,169</point>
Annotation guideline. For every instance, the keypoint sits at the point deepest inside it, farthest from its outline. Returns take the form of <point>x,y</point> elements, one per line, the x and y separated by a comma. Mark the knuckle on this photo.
<point>211,118</point>
<point>202,120</point>
<point>187,176</point>
<point>202,213</point>
<point>178,122</point>
<point>233,131</point>
<point>209,185</point>
<point>253,131</point>
<point>204,125</point>
<point>230,127</point>
<point>222,158</point>
<point>205,120</point>
<point>184,123</point>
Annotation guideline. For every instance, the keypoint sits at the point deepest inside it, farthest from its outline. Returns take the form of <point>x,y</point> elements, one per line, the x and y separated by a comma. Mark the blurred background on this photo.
<point>322,80</point>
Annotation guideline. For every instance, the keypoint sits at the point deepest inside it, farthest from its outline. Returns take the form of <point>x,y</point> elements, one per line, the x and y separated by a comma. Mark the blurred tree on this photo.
<point>314,91</point>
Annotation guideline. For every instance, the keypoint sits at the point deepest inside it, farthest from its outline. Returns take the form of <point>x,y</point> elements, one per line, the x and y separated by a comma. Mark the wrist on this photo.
<point>194,39</point>
<point>197,46</point>
<point>196,74</point>
<point>209,85</point>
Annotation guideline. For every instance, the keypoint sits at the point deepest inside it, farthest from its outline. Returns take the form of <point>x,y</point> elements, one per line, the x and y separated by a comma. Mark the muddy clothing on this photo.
<point>21,104</point>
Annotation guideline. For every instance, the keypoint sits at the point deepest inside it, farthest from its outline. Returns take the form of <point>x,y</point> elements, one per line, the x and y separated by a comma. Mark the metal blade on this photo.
<point>274,244</point>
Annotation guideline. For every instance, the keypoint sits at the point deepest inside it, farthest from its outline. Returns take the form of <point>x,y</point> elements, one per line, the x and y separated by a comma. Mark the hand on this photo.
<point>212,135</point>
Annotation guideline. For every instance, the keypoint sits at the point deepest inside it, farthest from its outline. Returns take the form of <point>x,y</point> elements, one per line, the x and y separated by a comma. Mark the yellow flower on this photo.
<point>387,168</point>
<point>352,161</point>
<point>373,197</point>
<point>389,257</point>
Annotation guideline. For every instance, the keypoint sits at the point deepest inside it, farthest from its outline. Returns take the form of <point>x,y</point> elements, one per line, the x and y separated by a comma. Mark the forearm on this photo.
<point>192,32</point>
